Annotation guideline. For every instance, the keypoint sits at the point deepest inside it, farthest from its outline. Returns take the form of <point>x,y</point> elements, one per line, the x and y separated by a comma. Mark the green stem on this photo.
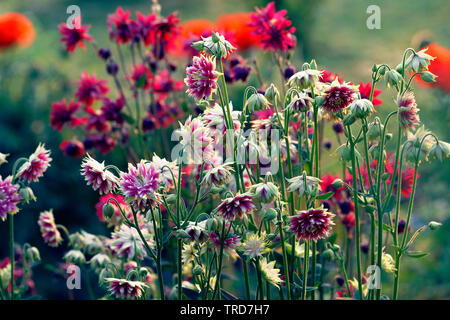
<point>285,262</point>
<point>11,254</point>
<point>305,270</point>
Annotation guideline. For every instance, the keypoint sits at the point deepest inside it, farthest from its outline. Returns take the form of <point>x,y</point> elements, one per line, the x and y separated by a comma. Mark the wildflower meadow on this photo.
<point>166,151</point>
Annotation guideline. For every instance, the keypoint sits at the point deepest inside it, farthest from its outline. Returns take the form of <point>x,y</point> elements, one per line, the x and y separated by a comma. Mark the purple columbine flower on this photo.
<point>141,182</point>
<point>201,78</point>
<point>311,224</point>
<point>94,173</point>
<point>49,231</point>
<point>237,206</point>
<point>36,165</point>
<point>8,197</point>
<point>338,97</point>
<point>126,289</point>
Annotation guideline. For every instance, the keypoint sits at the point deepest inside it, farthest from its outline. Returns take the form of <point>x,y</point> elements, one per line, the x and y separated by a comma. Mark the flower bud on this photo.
<point>361,108</point>
<point>265,192</point>
<point>433,225</point>
<point>3,157</point>
<point>272,93</point>
<point>104,53</point>
<point>349,119</point>
<point>27,194</point>
<point>335,248</point>
<point>108,210</point>
<point>104,274</point>
<point>328,254</point>
<point>198,45</point>
<point>337,183</point>
<point>211,224</point>
<point>374,130</point>
<point>181,234</point>
<point>75,256</point>
<point>389,136</point>
<point>392,78</point>
<point>427,76</point>
<point>112,67</point>
<point>32,254</point>
<point>344,152</point>
<point>271,214</point>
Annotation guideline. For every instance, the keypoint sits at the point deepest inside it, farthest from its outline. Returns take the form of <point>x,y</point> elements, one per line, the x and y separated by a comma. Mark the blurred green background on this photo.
<point>332,32</point>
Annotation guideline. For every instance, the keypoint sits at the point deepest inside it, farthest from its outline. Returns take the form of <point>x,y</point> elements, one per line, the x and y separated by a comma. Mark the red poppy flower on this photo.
<point>235,24</point>
<point>15,30</point>
<point>364,90</point>
<point>439,66</point>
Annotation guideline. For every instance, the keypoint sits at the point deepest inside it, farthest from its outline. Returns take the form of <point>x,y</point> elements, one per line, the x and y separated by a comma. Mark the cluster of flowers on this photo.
<point>15,191</point>
<point>274,216</point>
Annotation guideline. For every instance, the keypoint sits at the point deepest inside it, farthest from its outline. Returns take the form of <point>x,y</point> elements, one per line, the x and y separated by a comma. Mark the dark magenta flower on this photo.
<point>121,28</point>
<point>90,89</point>
<point>338,96</point>
<point>63,113</point>
<point>146,27</point>
<point>237,206</point>
<point>201,77</point>
<point>112,109</point>
<point>311,224</point>
<point>139,181</point>
<point>75,36</point>
<point>272,28</point>
<point>72,148</point>
<point>140,77</point>
<point>8,197</point>
<point>97,121</point>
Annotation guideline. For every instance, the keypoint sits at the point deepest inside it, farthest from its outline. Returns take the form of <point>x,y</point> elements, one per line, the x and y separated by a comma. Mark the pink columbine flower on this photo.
<point>214,119</point>
<point>90,89</point>
<point>126,242</point>
<point>311,224</point>
<point>237,206</point>
<point>338,97</point>
<point>272,28</point>
<point>121,28</point>
<point>63,113</point>
<point>407,110</point>
<point>126,289</point>
<point>74,36</point>
<point>36,165</point>
<point>141,182</point>
<point>230,241</point>
<point>167,172</point>
<point>201,78</point>
<point>94,173</point>
<point>49,231</point>
<point>8,197</point>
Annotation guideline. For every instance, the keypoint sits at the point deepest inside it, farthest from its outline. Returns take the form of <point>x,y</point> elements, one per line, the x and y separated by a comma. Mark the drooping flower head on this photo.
<point>63,113</point>
<point>311,224</point>
<point>304,185</point>
<point>407,110</point>
<point>126,289</point>
<point>304,79</point>
<point>126,242</point>
<point>214,119</point>
<point>49,231</point>
<point>36,165</point>
<point>75,35</point>
<point>419,61</point>
<point>8,197</point>
<point>201,77</point>
<point>140,183</point>
<point>236,206</point>
<point>338,97</point>
<point>90,89</point>
<point>266,192</point>
<point>273,29</point>
<point>95,174</point>
<point>218,176</point>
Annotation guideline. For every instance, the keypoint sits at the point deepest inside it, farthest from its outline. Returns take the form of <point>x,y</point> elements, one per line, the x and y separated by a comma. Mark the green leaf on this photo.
<point>325,196</point>
<point>127,118</point>
<point>416,254</point>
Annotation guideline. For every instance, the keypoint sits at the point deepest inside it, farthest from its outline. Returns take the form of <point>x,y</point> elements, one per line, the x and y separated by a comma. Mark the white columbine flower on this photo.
<point>419,61</point>
<point>270,273</point>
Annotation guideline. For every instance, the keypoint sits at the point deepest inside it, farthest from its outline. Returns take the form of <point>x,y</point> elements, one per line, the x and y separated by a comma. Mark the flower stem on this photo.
<point>305,270</point>
<point>11,248</point>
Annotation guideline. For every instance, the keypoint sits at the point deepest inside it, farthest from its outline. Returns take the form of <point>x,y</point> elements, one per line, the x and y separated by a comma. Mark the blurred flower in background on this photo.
<point>15,30</point>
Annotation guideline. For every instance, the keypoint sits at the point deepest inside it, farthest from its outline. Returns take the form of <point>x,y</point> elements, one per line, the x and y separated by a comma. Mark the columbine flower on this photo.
<point>214,119</point>
<point>439,150</point>
<point>127,242</point>
<point>237,206</point>
<point>407,110</point>
<point>253,245</point>
<point>36,165</point>
<point>63,113</point>
<point>311,224</point>
<point>217,176</point>
<point>90,89</point>
<point>257,101</point>
<point>196,231</point>
<point>140,183</point>
<point>338,96</point>
<point>304,185</point>
<point>272,28</point>
<point>270,273</point>
<point>49,231</point>
<point>304,79</point>
<point>165,176</point>
<point>419,61</point>
<point>230,241</point>
<point>188,253</point>
<point>217,45</point>
<point>265,192</point>
<point>94,173</point>
<point>8,197</point>
<point>3,157</point>
<point>75,36</point>
<point>75,256</point>
<point>73,148</point>
<point>300,103</point>
<point>121,28</point>
<point>126,289</point>
<point>388,263</point>
<point>361,108</point>
<point>99,261</point>
<point>140,77</point>
<point>201,77</point>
